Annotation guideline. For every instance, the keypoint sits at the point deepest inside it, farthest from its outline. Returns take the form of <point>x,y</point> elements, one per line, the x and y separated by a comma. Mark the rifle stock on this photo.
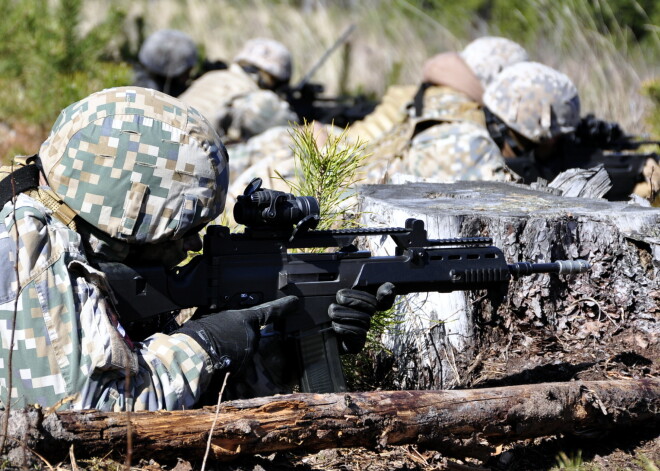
<point>237,270</point>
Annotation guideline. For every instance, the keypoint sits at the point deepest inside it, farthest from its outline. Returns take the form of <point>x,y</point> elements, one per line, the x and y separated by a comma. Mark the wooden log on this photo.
<point>468,422</point>
<point>462,339</point>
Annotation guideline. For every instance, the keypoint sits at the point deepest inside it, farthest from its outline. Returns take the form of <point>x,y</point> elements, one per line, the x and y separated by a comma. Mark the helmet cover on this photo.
<point>489,55</point>
<point>534,100</point>
<point>138,164</point>
<point>168,52</point>
<point>268,55</point>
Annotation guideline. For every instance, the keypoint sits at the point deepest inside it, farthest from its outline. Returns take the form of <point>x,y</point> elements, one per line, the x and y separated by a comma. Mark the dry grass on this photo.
<point>393,38</point>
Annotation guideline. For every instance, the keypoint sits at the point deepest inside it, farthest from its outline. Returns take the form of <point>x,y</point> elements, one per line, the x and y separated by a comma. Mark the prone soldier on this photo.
<point>528,106</point>
<point>166,60</point>
<point>240,102</point>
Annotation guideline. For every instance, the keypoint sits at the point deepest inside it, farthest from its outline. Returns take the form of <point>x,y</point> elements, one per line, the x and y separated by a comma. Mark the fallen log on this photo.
<point>464,422</point>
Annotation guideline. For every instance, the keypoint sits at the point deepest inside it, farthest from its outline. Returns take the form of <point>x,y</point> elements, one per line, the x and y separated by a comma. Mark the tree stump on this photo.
<point>598,325</point>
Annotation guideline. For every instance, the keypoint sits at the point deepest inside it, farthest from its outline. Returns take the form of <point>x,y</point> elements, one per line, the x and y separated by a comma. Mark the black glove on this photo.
<point>351,314</point>
<point>232,337</point>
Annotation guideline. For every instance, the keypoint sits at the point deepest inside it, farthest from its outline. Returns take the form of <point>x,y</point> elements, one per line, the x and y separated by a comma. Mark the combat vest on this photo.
<point>432,105</point>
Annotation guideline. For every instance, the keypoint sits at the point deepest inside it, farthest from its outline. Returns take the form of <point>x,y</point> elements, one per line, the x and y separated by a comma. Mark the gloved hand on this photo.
<point>232,337</point>
<point>351,314</point>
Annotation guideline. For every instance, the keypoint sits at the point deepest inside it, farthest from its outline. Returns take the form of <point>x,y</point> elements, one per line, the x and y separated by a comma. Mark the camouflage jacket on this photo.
<point>58,319</point>
<point>454,151</point>
<point>447,142</point>
<point>233,102</point>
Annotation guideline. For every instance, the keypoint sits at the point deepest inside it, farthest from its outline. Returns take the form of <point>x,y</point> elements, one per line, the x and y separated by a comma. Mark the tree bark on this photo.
<point>550,327</point>
<point>465,422</point>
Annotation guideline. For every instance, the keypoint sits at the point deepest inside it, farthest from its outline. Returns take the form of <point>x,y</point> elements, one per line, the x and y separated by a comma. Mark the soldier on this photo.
<point>167,58</point>
<point>240,101</point>
<point>451,91</point>
<point>528,107</point>
<point>125,174</point>
<point>452,88</point>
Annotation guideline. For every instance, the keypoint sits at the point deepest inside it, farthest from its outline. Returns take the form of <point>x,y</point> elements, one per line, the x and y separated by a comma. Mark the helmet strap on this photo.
<point>503,135</point>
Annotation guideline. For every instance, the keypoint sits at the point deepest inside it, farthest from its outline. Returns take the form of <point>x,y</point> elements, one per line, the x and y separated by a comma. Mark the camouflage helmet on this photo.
<point>489,55</point>
<point>268,55</point>
<point>534,100</point>
<point>168,52</point>
<point>138,164</point>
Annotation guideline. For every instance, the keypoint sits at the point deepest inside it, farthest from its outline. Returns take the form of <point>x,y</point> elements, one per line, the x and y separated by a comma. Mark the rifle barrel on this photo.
<point>344,36</point>
<point>562,267</point>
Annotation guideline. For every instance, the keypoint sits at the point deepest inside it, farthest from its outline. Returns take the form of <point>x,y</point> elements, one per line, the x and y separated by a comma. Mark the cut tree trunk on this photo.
<point>465,422</point>
<point>550,327</point>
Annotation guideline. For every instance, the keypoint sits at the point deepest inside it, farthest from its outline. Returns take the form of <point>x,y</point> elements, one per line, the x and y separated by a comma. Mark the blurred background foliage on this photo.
<point>54,52</point>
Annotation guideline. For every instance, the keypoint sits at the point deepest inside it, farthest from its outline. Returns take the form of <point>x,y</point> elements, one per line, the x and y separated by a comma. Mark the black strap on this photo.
<point>24,178</point>
<point>419,98</point>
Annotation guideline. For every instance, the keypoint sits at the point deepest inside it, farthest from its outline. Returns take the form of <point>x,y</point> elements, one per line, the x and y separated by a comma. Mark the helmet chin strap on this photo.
<point>501,134</point>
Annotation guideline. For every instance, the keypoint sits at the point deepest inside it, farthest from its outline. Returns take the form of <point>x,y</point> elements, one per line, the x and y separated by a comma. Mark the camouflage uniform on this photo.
<point>441,105</point>
<point>454,151</point>
<point>69,350</point>
<point>233,101</point>
<point>261,156</point>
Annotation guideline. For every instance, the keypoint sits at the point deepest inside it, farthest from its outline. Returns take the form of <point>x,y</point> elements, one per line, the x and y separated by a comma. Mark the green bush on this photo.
<point>47,63</point>
<point>524,20</point>
<point>652,90</point>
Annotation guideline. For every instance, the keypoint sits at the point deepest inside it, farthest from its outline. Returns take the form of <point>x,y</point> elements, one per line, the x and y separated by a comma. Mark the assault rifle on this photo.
<point>237,270</point>
<point>593,143</point>
<point>307,100</point>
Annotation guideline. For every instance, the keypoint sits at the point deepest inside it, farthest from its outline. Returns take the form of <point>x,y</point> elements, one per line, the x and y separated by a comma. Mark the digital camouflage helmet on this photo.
<point>138,164</point>
<point>168,53</point>
<point>268,55</point>
<point>489,55</point>
<point>535,100</point>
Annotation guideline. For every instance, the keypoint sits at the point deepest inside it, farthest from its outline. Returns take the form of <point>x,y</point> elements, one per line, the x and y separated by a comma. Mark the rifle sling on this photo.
<point>20,180</point>
<point>25,179</point>
<point>419,98</point>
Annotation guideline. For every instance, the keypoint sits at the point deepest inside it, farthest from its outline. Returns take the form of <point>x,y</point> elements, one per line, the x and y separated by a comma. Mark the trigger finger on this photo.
<point>357,299</point>
<point>342,315</point>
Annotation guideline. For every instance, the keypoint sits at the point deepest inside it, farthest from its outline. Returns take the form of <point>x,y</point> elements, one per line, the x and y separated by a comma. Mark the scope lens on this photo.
<point>258,209</point>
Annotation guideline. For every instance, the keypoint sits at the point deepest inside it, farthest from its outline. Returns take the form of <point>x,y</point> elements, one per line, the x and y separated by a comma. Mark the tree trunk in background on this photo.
<point>464,423</point>
<point>550,328</point>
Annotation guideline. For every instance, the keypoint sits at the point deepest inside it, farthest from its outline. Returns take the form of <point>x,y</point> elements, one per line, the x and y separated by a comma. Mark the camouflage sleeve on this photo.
<point>390,112</point>
<point>68,350</point>
<point>255,112</point>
